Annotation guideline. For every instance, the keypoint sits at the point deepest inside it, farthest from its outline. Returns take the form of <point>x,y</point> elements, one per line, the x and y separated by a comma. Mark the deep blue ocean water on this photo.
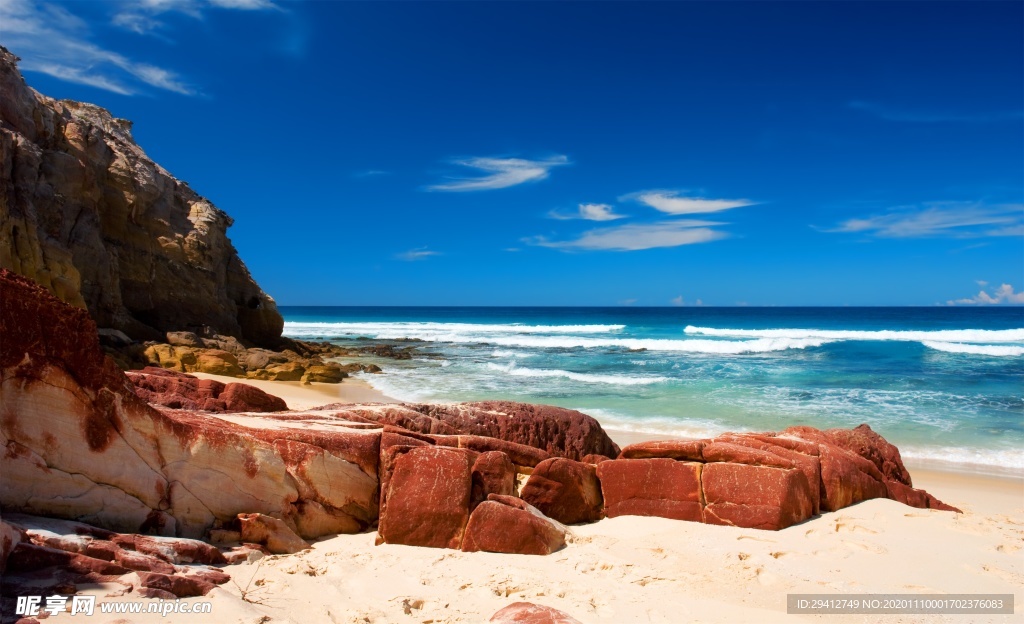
<point>944,384</point>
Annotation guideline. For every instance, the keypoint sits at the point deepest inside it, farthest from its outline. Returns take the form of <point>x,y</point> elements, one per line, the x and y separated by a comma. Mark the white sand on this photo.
<point>634,569</point>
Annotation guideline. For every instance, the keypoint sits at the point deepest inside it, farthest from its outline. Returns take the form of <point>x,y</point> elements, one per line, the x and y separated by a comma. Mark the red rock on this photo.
<point>506,524</point>
<point>270,532</point>
<point>565,490</point>
<point>10,537</point>
<point>848,478</point>
<point>179,586</point>
<point>724,448</point>
<point>520,454</point>
<point>27,557</point>
<point>102,549</point>
<point>558,431</point>
<point>651,487</point>
<point>493,473</point>
<point>755,497</point>
<point>428,498</point>
<point>594,459</point>
<point>529,613</point>
<point>183,391</point>
<point>687,450</point>
<point>916,498</point>
<point>863,441</point>
<point>177,550</point>
<point>138,561</point>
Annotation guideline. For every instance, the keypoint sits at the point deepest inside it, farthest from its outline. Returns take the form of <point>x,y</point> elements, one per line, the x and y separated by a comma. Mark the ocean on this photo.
<point>946,385</point>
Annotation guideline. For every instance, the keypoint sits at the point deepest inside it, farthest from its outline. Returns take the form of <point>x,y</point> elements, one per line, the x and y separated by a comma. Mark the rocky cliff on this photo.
<point>85,213</point>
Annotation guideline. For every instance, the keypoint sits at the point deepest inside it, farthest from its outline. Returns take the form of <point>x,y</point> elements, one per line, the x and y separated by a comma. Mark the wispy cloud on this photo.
<point>420,253</point>
<point>52,40</point>
<point>637,237</point>
<point>890,114</point>
<point>1002,295</point>
<point>370,173</point>
<point>143,17</point>
<point>589,212</point>
<point>500,173</point>
<point>675,203</point>
<point>946,219</point>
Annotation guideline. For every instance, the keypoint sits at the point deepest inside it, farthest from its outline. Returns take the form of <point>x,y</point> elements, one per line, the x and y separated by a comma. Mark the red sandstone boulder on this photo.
<point>755,497</point>
<point>183,391</point>
<point>756,451</point>
<point>506,524</point>
<point>135,469</point>
<point>557,431</point>
<point>651,487</point>
<point>493,473</point>
<point>848,478</point>
<point>863,441</point>
<point>529,613</point>
<point>428,497</point>
<point>270,532</point>
<point>178,586</point>
<point>687,450</point>
<point>565,490</point>
<point>594,459</point>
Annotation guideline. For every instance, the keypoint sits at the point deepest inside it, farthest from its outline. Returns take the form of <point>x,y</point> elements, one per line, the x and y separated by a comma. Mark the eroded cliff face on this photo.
<point>85,213</point>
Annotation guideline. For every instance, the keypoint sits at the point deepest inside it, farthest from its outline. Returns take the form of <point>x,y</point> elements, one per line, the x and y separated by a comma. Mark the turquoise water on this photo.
<point>944,384</point>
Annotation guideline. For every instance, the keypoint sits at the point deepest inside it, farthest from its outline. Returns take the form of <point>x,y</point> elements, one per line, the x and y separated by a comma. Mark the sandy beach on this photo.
<point>639,569</point>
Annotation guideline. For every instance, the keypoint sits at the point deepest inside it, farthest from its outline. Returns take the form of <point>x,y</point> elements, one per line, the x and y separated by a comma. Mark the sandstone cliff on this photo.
<point>85,213</point>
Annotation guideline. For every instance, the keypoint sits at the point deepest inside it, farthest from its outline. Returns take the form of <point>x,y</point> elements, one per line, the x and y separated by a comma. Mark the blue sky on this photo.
<point>432,153</point>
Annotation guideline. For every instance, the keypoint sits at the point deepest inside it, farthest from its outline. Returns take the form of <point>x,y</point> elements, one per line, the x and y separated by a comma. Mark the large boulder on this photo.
<point>557,431</point>
<point>506,524</point>
<point>686,450</point>
<point>652,487</point>
<point>273,533</point>
<point>80,444</point>
<point>565,490</point>
<point>755,496</point>
<point>493,473</point>
<point>428,497</point>
<point>91,218</point>
<point>862,441</point>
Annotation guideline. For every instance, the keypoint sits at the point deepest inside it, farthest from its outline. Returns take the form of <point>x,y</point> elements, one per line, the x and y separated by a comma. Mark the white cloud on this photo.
<point>420,253</point>
<point>142,17</point>
<point>949,219</point>
<point>638,237</point>
<point>1002,295</point>
<point>53,41</point>
<point>671,202</point>
<point>678,301</point>
<point>502,173</point>
<point>589,212</point>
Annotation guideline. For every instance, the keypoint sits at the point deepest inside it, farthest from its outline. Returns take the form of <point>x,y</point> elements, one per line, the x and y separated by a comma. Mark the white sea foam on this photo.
<point>942,335</point>
<point>392,331</point>
<point>533,336</point>
<point>996,461</point>
<point>618,380</point>
<point>974,349</point>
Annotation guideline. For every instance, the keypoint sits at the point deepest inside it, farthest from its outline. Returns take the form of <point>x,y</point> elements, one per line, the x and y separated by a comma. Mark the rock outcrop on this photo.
<point>159,386</point>
<point>85,213</point>
<point>55,556</point>
<point>80,444</point>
